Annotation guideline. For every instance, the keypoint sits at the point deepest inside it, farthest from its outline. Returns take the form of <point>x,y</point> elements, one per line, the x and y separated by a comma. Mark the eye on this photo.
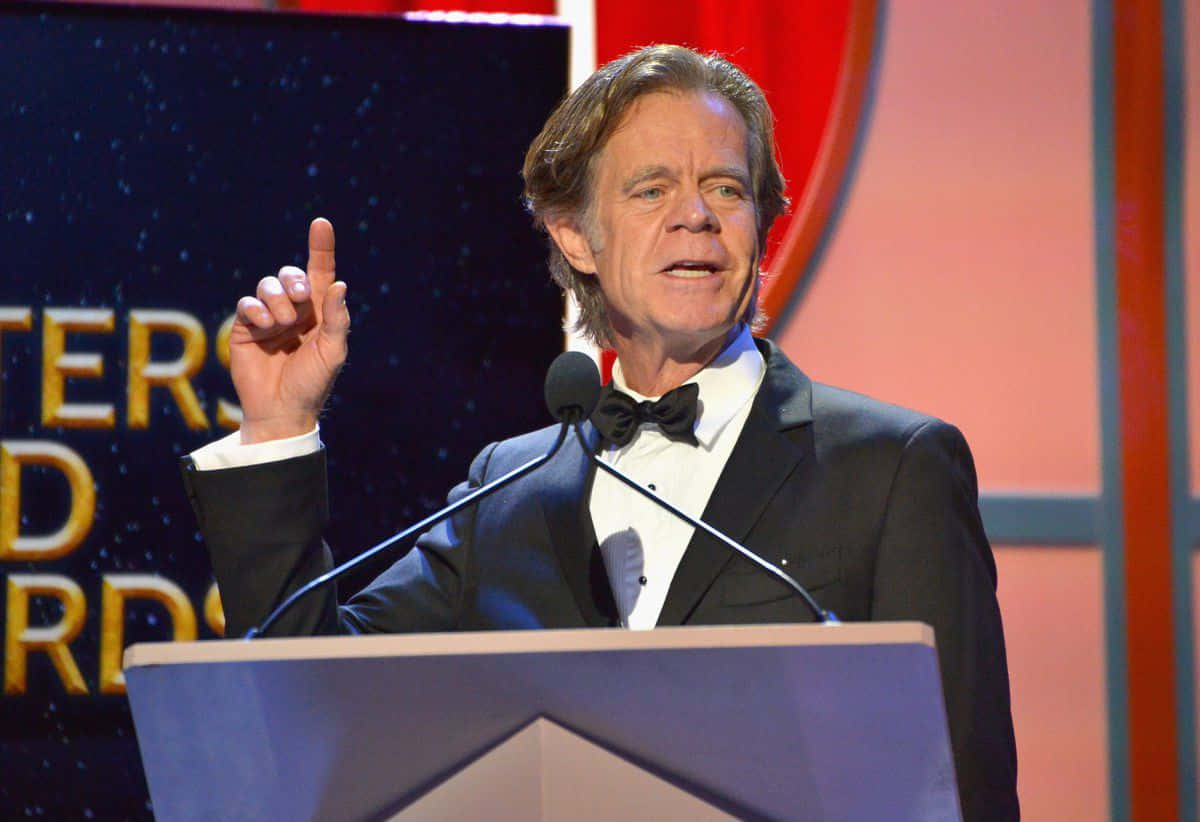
<point>651,194</point>
<point>728,190</point>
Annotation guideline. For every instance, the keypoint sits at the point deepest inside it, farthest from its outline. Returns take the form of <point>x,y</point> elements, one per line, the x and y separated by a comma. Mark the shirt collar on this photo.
<point>726,384</point>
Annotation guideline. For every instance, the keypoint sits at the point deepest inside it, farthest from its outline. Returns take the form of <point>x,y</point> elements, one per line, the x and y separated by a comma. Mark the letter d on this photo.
<point>13,545</point>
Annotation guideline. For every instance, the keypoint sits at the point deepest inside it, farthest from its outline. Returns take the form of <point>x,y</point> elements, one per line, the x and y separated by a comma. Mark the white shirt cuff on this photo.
<point>229,452</point>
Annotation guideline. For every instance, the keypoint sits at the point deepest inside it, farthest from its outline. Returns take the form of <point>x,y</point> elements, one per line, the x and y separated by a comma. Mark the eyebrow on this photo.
<point>656,172</point>
<point>643,174</point>
<point>732,172</point>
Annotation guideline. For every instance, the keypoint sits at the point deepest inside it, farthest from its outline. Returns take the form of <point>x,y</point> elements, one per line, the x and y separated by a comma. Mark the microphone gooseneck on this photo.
<point>822,615</point>
<point>571,389</point>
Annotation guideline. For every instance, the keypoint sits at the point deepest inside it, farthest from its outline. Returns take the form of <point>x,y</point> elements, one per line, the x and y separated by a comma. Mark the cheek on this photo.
<point>640,231</point>
<point>747,229</point>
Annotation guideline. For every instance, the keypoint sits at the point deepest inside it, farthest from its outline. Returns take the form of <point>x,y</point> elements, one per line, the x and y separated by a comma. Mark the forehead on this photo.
<point>678,130</point>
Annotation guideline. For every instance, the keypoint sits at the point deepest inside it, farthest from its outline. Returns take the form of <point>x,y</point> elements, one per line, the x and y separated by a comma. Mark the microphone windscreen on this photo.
<point>572,386</point>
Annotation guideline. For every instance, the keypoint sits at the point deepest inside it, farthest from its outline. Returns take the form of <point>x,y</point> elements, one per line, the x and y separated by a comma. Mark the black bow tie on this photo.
<point>617,415</point>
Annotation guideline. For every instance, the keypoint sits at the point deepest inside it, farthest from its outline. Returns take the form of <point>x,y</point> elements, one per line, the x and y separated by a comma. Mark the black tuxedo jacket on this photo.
<point>872,507</point>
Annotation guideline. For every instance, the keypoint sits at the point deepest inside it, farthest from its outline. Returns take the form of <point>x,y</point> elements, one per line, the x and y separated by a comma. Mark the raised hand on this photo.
<point>288,344</point>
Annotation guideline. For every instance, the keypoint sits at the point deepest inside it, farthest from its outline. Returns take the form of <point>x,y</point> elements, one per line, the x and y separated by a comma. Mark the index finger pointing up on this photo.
<point>320,253</point>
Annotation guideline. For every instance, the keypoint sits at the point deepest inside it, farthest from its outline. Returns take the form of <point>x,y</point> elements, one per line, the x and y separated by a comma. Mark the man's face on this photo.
<point>671,233</point>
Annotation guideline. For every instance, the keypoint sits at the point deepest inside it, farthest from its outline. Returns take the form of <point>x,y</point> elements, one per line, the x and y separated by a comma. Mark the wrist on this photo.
<point>277,428</point>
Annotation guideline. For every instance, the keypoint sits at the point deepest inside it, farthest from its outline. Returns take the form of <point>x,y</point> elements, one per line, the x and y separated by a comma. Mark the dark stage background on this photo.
<point>155,164</point>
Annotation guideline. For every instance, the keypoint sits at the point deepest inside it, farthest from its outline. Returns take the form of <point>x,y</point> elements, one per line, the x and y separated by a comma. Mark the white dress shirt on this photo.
<point>641,543</point>
<point>229,452</point>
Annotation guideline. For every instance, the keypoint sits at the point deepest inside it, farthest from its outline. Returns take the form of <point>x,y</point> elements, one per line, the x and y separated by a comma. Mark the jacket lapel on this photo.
<point>564,498</point>
<point>760,463</point>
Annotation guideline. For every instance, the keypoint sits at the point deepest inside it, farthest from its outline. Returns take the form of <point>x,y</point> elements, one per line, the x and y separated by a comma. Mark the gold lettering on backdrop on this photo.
<point>214,613</point>
<point>20,638</point>
<point>28,593</point>
<point>13,455</point>
<point>13,318</point>
<point>116,590</point>
<point>58,364</point>
<point>228,415</point>
<point>174,375</point>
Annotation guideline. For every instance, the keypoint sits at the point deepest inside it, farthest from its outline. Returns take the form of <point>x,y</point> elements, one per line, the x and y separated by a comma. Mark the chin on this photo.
<point>701,332</point>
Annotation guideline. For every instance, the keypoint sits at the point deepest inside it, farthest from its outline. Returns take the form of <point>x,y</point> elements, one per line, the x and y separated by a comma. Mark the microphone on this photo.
<point>571,393</point>
<point>572,386</point>
<point>822,615</point>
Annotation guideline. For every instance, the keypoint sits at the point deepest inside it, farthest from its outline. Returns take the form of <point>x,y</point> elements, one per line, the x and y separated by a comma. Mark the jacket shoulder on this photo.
<point>858,414</point>
<point>846,422</point>
<point>501,457</point>
<point>837,418</point>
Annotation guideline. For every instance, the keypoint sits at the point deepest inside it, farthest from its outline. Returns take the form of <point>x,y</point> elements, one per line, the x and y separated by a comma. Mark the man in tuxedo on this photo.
<point>657,184</point>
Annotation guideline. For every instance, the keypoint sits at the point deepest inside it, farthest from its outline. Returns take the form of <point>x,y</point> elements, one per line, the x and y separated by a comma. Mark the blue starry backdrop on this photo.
<point>154,164</point>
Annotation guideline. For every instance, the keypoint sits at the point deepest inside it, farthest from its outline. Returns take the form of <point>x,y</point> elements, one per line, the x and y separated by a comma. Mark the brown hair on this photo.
<point>558,165</point>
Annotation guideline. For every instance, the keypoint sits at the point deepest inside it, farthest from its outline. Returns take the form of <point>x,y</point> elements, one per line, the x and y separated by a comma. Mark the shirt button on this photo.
<point>642,580</point>
<point>652,487</point>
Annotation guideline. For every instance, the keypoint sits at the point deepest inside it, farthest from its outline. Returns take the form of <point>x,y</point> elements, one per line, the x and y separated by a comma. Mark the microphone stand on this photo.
<point>430,520</point>
<point>823,616</point>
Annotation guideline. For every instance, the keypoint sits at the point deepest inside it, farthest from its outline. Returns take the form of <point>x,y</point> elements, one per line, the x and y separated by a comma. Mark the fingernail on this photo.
<point>272,287</point>
<point>299,288</point>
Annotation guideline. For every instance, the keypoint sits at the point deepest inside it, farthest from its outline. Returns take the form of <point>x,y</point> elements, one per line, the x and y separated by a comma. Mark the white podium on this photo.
<point>799,722</point>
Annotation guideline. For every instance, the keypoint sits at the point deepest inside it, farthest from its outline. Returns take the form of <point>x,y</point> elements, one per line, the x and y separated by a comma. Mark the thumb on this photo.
<point>335,322</point>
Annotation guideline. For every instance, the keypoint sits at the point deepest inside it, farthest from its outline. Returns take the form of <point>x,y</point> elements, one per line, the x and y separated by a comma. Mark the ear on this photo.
<point>573,243</point>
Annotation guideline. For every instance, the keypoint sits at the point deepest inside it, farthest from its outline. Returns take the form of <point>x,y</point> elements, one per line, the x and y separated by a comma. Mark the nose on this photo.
<point>692,213</point>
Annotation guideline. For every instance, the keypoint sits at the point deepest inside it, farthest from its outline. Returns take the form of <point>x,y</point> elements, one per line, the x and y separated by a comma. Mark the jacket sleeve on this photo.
<point>263,525</point>
<point>934,564</point>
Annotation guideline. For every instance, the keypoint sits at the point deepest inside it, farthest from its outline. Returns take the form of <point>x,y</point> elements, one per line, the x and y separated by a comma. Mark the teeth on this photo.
<point>689,273</point>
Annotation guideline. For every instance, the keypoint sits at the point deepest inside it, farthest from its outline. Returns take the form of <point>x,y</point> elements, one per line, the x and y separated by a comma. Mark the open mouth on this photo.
<point>689,269</point>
